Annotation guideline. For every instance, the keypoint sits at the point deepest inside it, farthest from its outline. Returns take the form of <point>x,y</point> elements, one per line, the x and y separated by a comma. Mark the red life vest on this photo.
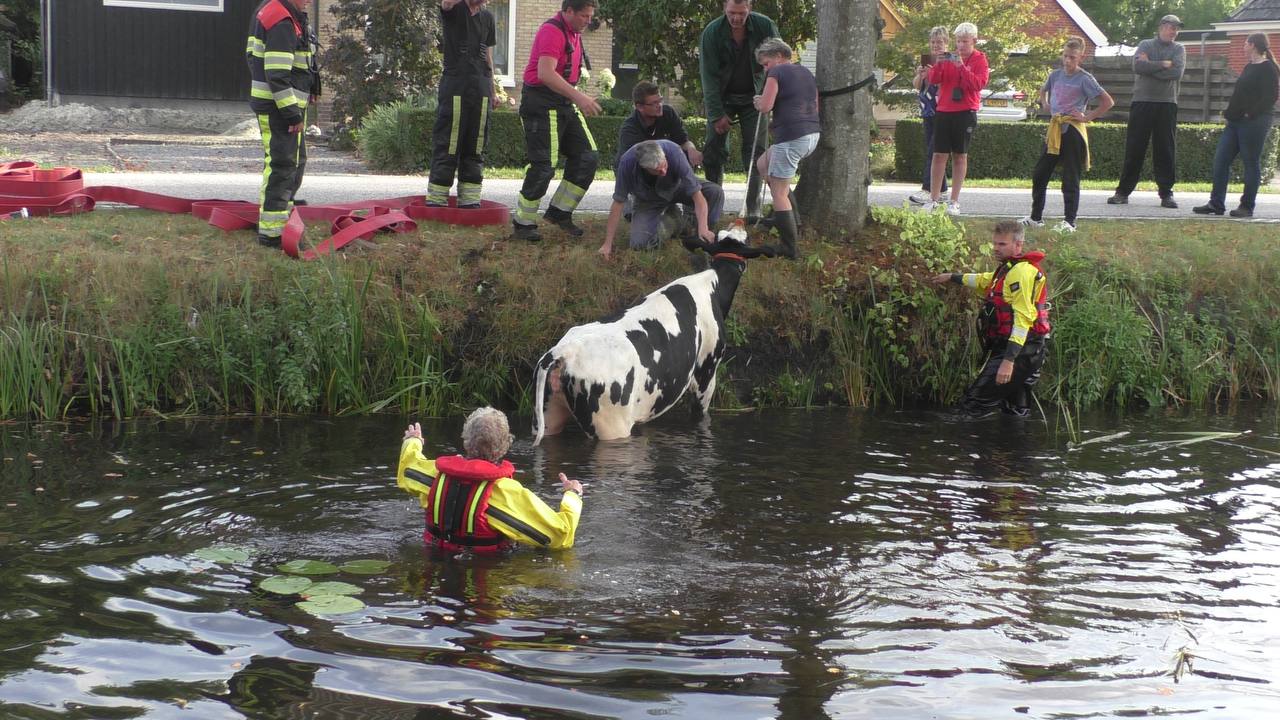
<point>457,505</point>
<point>275,11</point>
<point>996,317</point>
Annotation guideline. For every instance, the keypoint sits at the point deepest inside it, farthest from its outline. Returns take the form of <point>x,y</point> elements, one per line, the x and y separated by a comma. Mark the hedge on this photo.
<point>1010,150</point>
<point>505,147</point>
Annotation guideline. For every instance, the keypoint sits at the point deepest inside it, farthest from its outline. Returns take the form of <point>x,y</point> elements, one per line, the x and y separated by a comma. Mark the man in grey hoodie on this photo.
<point>1153,115</point>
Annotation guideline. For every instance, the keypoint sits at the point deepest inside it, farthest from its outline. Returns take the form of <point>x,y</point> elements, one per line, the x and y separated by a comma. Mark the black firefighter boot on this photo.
<point>785,224</point>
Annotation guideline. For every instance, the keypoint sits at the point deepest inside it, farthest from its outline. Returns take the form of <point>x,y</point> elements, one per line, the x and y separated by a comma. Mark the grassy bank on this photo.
<point>125,313</point>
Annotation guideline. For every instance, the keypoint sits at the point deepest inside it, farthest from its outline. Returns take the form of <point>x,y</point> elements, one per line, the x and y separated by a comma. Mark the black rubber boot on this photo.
<point>785,223</point>
<point>753,198</point>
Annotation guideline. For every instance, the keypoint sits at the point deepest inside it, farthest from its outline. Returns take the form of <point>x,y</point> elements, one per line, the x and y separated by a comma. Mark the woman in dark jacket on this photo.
<point>1248,116</point>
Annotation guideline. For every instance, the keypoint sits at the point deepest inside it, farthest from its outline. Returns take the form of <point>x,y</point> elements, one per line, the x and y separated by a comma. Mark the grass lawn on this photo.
<point>124,312</point>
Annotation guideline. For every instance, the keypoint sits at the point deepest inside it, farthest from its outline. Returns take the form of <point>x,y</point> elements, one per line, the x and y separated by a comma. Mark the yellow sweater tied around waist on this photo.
<point>1053,137</point>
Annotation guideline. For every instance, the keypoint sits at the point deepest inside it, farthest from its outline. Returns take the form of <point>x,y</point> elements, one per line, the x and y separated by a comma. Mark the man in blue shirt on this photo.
<point>658,175</point>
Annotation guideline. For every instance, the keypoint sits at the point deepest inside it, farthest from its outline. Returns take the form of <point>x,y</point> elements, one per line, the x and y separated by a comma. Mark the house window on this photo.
<point>205,5</point>
<point>504,61</point>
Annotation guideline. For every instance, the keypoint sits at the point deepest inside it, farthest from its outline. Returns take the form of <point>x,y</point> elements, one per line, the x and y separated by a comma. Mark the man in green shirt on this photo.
<point>731,78</point>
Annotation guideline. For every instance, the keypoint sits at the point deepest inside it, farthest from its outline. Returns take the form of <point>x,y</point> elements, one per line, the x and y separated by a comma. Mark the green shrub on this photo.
<point>1011,149</point>
<point>404,142</point>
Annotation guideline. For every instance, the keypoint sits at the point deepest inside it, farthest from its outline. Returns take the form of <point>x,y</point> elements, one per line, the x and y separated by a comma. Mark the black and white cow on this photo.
<point>612,374</point>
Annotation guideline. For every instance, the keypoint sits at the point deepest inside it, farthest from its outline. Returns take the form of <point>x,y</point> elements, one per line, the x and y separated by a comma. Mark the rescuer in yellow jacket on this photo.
<point>1013,323</point>
<point>471,501</point>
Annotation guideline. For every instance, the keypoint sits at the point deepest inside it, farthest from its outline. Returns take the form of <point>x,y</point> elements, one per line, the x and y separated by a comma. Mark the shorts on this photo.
<point>785,157</point>
<point>952,131</point>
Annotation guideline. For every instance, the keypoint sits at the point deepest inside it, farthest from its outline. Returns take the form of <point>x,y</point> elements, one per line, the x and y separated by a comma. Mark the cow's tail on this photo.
<point>539,394</point>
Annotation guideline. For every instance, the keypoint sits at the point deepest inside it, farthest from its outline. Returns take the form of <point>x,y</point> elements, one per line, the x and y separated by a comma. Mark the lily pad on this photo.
<point>285,584</point>
<point>333,588</point>
<point>228,555</point>
<point>308,567</point>
<point>331,605</point>
<point>365,567</point>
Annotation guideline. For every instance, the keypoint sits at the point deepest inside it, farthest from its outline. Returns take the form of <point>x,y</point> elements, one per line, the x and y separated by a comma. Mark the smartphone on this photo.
<point>926,59</point>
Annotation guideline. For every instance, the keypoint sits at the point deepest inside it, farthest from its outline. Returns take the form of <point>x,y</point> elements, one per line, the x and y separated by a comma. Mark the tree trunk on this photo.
<point>832,192</point>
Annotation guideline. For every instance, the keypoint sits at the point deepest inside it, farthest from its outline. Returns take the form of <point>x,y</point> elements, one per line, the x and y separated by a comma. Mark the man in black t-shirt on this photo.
<point>465,97</point>
<point>654,120</point>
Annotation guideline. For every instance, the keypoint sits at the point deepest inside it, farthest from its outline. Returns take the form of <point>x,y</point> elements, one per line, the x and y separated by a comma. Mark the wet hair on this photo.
<point>737,2</point>
<point>1263,45</point>
<point>965,29</point>
<point>486,435</point>
<point>1074,42</point>
<point>939,31</point>
<point>643,91</point>
<point>773,47</point>
<point>1010,229</point>
<point>577,5</point>
<point>649,155</point>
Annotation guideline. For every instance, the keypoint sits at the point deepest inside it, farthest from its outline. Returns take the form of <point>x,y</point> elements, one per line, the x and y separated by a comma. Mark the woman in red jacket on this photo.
<point>960,78</point>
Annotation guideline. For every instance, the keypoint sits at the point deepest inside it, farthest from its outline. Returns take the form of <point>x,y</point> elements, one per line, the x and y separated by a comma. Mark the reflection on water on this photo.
<point>796,565</point>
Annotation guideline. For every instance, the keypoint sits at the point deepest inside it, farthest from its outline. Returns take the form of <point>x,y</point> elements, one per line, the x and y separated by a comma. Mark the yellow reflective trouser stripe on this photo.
<point>468,193</point>
<point>480,133</point>
<point>586,130</point>
<point>267,224</point>
<point>437,193</point>
<point>457,122</point>
<point>475,503</point>
<point>527,210</point>
<point>441,487</point>
<point>567,196</point>
<point>553,125</point>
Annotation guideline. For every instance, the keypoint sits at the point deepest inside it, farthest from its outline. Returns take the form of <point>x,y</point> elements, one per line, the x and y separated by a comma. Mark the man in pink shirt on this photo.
<point>960,78</point>
<point>551,110</point>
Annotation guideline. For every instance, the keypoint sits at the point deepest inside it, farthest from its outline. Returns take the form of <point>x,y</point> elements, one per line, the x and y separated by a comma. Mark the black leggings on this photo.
<point>1070,157</point>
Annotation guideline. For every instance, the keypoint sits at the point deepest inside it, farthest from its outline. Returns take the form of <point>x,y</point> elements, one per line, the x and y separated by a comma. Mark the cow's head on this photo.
<point>730,244</point>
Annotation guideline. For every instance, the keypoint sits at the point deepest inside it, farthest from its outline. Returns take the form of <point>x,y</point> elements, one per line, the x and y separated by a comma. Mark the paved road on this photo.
<point>984,202</point>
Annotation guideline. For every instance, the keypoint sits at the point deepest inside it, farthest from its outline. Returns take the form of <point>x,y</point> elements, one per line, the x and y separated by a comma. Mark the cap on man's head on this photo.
<point>1171,20</point>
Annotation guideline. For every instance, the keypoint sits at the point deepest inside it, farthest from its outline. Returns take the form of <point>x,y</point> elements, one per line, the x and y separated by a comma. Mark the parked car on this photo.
<point>1009,104</point>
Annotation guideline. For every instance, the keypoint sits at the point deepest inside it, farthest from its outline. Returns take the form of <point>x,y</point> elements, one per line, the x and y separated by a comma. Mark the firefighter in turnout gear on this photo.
<point>551,110</point>
<point>471,501</point>
<point>465,99</point>
<point>282,67</point>
<point>1013,323</point>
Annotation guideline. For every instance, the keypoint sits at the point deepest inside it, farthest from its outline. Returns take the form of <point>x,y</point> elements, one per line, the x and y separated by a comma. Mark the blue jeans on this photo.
<point>928,155</point>
<point>1246,139</point>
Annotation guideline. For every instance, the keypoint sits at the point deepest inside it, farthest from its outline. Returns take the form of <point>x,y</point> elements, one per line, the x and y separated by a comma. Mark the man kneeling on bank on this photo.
<point>471,500</point>
<point>658,175</point>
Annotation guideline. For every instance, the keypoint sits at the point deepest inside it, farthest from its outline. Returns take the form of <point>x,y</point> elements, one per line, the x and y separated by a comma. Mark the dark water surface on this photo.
<point>799,565</point>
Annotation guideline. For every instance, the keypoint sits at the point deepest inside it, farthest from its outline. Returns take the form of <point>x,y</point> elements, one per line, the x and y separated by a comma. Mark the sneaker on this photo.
<point>271,241</point>
<point>564,221</point>
<point>1064,227</point>
<point>1118,199</point>
<point>932,205</point>
<point>1208,209</point>
<point>1168,202</point>
<point>526,232</point>
<point>1028,221</point>
<point>1241,212</point>
<point>919,198</point>
<point>953,208</point>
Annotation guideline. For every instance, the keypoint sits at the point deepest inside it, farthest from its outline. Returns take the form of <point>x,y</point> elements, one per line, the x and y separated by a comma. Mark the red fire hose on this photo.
<point>61,191</point>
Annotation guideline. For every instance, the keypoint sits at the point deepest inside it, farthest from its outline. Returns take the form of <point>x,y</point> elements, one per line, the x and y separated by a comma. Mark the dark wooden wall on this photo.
<point>150,53</point>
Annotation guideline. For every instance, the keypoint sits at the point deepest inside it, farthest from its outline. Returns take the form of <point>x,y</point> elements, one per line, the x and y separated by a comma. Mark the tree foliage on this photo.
<point>661,36</point>
<point>1016,58</point>
<point>384,50</point>
<point>1130,21</point>
<point>20,35</point>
